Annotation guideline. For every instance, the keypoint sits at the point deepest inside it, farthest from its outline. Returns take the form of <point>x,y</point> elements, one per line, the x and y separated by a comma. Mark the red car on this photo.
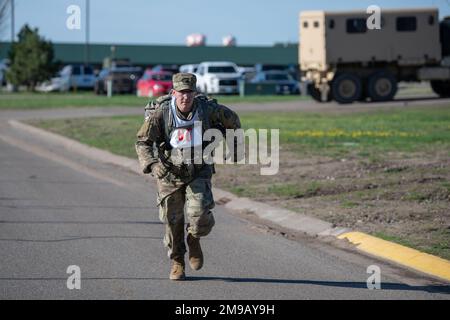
<point>154,84</point>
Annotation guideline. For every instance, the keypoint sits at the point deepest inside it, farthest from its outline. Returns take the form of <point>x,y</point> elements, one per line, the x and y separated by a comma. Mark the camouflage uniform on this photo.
<point>181,189</point>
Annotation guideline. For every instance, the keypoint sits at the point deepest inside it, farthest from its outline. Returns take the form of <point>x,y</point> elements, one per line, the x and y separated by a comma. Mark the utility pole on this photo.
<point>12,22</point>
<point>86,48</point>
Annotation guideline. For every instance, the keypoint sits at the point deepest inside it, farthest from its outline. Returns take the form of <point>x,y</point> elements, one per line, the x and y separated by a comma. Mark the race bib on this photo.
<point>186,137</point>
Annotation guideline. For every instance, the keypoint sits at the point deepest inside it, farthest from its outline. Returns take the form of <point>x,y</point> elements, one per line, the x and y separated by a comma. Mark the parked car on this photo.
<point>77,76</point>
<point>154,84</point>
<point>219,77</point>
<point>294,71</point>
<point>188,68</point>
<point>260,67</point>
<point>4,66</point>
<point>285,83</point>
<point>123,79</point>
<point>53,85</point>
<point>247,73</point>
<point>117,63</point>
<point>172,68</point>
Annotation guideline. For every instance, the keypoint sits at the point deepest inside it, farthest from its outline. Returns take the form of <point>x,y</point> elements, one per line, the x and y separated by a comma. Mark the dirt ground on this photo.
<point>401,197</point>
<point>405,199</point>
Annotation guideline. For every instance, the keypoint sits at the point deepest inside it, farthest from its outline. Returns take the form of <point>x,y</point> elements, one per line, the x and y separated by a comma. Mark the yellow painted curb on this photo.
<point>415,259</point>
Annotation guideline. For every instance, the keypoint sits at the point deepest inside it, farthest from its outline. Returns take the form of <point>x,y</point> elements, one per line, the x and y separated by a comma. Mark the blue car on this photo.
<point>285,83</point>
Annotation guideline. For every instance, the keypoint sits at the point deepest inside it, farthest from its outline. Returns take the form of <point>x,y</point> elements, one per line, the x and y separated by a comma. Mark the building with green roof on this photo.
<point>149,55</point>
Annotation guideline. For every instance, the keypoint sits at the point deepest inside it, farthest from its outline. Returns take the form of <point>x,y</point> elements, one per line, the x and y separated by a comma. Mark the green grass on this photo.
<point>416,196</point>
<point>25,100</point>
<point>295,190</point>
<point>412,130</point>
<point>441,248</point>
<point>368,134</point>
<point>116,134</point>
<point>349,204</point>
<point>287,190</point>
<point>28,100</point>
<point>388,237</point>
<point>446,185</point>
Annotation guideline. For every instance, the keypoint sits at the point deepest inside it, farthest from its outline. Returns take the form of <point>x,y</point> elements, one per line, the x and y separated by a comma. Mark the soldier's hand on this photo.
<point>147,169</point>
<point>158,170</point>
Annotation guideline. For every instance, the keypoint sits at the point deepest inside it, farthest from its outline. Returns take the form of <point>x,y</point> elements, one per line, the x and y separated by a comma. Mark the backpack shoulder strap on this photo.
<point>203,103</point>
<point>161,104</point>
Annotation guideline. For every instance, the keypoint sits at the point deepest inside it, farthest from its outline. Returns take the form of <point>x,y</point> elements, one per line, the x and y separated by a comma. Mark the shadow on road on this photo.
<point>443,289</point>
<point>343,284</point>
<point>400,99</point>
<point>407,99</point>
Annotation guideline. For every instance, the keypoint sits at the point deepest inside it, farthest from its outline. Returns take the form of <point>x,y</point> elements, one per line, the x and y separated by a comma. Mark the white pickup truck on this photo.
<point>218,77</point>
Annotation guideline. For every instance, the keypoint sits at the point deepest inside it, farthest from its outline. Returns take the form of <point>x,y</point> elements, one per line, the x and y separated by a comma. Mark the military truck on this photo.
<point>342,59</point>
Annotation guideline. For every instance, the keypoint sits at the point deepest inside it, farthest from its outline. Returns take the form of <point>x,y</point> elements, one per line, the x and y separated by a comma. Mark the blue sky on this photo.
<point>252,22</point>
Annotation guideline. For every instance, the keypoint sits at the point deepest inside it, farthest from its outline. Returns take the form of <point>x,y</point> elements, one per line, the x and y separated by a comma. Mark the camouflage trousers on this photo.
<point>197,200</point>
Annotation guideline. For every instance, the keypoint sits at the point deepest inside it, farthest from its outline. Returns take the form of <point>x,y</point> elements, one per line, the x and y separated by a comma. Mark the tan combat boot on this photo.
<point>195,252</point>
<point>177,271</point>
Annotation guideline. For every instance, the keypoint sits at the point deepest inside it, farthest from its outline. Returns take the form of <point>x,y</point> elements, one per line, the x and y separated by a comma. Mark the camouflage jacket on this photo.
<point>154,130</point>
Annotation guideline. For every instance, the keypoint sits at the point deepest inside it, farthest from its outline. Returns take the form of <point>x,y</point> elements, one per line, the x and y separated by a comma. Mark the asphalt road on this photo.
<point>59,209</point>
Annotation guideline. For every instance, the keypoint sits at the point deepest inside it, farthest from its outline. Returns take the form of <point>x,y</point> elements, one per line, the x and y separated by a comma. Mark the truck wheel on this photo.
<point>382,86</point>
<point>441,88</point>
<point>346,88</point>
<point>316,94</point>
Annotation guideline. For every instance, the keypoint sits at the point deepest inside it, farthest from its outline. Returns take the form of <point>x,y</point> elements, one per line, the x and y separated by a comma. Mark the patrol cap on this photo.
<point>184,81</point>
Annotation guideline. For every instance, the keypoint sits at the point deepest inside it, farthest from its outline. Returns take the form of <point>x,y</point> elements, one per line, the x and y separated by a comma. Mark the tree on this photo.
<point>31,59</point>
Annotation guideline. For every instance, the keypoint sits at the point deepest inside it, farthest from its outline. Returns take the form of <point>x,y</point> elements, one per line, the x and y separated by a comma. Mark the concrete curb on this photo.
<point>412,258</point>
<point>393,252</point>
